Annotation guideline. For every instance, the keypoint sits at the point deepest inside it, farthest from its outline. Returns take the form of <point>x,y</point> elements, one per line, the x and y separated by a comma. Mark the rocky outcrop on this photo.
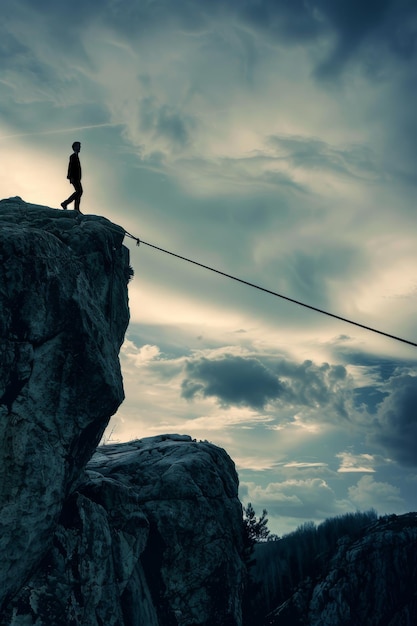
<point>368,582</point>
<point>152,535</point>
<point>63,314</point>
<point>146,533</point>
<point>188,492</point>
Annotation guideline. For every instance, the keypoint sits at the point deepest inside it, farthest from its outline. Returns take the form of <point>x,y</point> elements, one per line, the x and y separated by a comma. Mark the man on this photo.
<point>74,176</point>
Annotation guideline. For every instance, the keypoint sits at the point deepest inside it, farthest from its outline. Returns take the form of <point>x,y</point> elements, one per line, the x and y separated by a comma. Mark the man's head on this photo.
<point>76,146</point>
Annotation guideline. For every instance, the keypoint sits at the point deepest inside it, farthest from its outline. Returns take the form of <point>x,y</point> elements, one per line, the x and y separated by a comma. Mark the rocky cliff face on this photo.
<point>63,314</point>
<point>151,536</point>
<point>368,582</point>
<point>188,493</point>
<point>151,532</point>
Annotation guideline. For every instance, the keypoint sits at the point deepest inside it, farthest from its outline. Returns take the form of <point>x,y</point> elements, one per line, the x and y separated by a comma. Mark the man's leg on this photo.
<point>77,195</point>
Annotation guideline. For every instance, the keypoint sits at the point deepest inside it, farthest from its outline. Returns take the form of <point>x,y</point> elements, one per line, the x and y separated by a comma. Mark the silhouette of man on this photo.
<point>74,176</point>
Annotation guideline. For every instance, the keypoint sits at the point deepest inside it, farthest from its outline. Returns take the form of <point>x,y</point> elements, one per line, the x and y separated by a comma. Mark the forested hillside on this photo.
<point>280,565</point>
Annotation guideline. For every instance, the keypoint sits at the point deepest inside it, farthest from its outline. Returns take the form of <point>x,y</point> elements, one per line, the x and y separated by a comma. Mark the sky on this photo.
<point>274,141</point>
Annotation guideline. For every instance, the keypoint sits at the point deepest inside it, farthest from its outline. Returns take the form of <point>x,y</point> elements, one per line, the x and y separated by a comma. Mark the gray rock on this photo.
<point>152,536</point>
<point>63,315</point>
<point>188,491</point>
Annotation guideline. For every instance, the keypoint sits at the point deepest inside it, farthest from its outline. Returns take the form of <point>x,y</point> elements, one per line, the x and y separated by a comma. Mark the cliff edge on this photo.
<point>148,532</point>
<point>63,315</point>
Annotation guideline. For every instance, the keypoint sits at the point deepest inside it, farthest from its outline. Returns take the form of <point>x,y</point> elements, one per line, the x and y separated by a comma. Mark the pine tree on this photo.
<point>255,530</point>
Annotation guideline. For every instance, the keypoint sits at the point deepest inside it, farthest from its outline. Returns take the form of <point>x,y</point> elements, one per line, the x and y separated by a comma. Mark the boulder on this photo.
<point>152,536</point>
<point>188,492</point>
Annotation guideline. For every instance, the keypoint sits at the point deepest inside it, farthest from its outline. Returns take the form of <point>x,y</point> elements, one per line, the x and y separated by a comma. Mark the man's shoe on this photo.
<point>64,206</point>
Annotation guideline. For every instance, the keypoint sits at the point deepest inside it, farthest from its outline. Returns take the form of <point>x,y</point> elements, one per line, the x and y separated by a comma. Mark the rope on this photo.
<point>274,293</point>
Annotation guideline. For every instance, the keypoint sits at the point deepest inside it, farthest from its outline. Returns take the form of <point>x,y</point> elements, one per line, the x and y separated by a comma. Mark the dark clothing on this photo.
<point>76,196</point>
<point>74,168</point>
<point>74,176</point>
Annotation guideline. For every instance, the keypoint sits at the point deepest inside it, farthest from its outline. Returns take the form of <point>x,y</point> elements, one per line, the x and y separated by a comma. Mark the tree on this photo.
<point>254,531</point>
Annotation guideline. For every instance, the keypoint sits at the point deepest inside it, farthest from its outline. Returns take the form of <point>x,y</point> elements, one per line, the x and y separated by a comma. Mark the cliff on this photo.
<point>148,532</point>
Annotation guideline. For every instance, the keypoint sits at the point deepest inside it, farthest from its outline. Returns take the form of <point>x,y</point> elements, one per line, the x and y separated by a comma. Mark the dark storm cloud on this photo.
<point>316,386</point>
<point>354,21</point>
<point>368,398</point>
<point>382,367</point>
<point>389,380</point>
<point>385,23</point>
<point>396,419</point>
<point>352,24</point>
<point>247,381</point>
<point>232,380</point>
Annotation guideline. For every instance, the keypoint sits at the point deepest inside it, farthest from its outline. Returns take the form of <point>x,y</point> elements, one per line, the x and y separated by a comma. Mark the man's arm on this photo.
<point>70,168</point>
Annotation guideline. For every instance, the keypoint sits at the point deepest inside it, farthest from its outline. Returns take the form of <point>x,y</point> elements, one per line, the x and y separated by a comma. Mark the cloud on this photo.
<point>369,398</point>
<point>255,381</point>
<point>165,124</point>
<point>375,27</point>
<point>356,462</point>
<point>356,161</point>
<point>396,419</point>
<point>346,27</point>
<point>383,497</point>
<point>304,465</point>
<point>311,498</point>
<point>316,385</point>
<point>139,356</point>
<point>232,380</point>
<point>44,68</point>
<point>293,501</point>
<point>348,24</point>
<point>311,273</point>
<point>342,29</point>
